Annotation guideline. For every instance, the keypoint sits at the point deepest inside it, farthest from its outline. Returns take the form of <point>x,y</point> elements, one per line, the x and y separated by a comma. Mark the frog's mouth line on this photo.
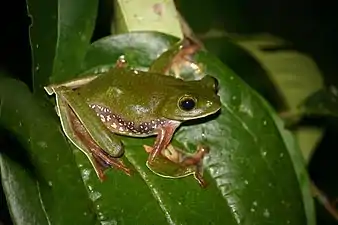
<point>202,119</point>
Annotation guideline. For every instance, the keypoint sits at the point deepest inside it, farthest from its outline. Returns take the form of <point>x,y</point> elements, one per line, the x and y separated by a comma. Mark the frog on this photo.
<point>95,110</point>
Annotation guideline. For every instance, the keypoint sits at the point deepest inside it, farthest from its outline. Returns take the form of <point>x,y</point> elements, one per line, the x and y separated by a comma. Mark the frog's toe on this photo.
<point>199,177</point>
<point>104,161</point>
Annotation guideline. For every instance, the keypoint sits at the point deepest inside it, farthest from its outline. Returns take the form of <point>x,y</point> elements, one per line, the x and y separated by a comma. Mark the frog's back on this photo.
<point>139,79</point>
<point>122,82</point>
<point>129,92</point>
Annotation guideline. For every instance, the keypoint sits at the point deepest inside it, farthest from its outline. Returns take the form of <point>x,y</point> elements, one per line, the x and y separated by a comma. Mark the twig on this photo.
<point>324,200</point>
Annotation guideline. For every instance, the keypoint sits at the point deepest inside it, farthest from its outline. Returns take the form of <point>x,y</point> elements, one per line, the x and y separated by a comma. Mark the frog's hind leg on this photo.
<point>82,139</point>
<point>99,166</point>
<point>72,84</point>
<point>182,164</point>
<point>104,161</point>
<point>101,162</point>
<point>175,58</point>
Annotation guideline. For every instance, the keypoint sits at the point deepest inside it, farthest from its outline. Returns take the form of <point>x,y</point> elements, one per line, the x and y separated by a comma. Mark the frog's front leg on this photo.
<point>164,136</point>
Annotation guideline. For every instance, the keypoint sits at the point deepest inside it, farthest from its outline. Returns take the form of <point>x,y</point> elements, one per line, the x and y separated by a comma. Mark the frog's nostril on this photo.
<point>209,103</point>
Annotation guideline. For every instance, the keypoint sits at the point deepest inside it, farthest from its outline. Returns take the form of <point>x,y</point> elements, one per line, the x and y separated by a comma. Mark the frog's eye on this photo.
<point>187,103</point>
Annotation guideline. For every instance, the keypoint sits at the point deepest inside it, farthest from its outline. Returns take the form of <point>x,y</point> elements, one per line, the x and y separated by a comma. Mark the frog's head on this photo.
<point>193,100</point>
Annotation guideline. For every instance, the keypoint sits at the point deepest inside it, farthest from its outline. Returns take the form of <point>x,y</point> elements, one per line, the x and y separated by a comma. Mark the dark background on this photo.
<point>310,25</point>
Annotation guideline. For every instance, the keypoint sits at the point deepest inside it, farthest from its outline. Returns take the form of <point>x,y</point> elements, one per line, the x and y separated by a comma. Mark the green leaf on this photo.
<point>255,138</point>
<point>168,201</point>
<point>267,61</point>
<point>23,203</point>
<point>294,74</point>
<point>284,77</point>
<point>149,15</point>
<point>295,77</point>
<point>51,190</point>
<point>135,47</point>
<point>322,103</point>
<point>253,177</point>
<point>60,33</point>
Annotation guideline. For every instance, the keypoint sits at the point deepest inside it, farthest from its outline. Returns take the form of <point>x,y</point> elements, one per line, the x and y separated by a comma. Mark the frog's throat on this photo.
<point>119,125</point>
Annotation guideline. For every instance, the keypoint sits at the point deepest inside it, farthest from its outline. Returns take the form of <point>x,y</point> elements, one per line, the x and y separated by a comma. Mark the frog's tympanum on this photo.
<point>132,103</point>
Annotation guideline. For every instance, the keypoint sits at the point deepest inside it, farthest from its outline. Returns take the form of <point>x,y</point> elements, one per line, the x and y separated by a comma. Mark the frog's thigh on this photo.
<point>98,157</point>
<point>105,139</point>
<point>174,58</point>
<point>164,62</point>
<point>65,114</point>
<point>72,128</point>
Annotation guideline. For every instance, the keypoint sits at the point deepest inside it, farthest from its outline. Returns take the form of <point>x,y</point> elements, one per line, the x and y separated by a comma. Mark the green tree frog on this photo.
<point>132,103</point>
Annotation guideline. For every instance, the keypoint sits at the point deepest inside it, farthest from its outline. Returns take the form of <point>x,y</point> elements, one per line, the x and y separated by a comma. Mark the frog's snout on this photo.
<point>214,104</point>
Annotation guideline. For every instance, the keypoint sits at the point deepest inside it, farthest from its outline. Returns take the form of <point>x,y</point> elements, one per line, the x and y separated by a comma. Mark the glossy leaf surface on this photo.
<point>43,190</point>
<point>60,32</point>
<point>253,175</point>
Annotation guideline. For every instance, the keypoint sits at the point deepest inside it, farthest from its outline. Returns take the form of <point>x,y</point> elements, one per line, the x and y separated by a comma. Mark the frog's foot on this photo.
<point>103,160</point>
<point>178,156</point>
<point>183,57</point>
<point>100,166</point>
<point>196,159</point>
<point>175,163</point>
<point>121,62</point>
